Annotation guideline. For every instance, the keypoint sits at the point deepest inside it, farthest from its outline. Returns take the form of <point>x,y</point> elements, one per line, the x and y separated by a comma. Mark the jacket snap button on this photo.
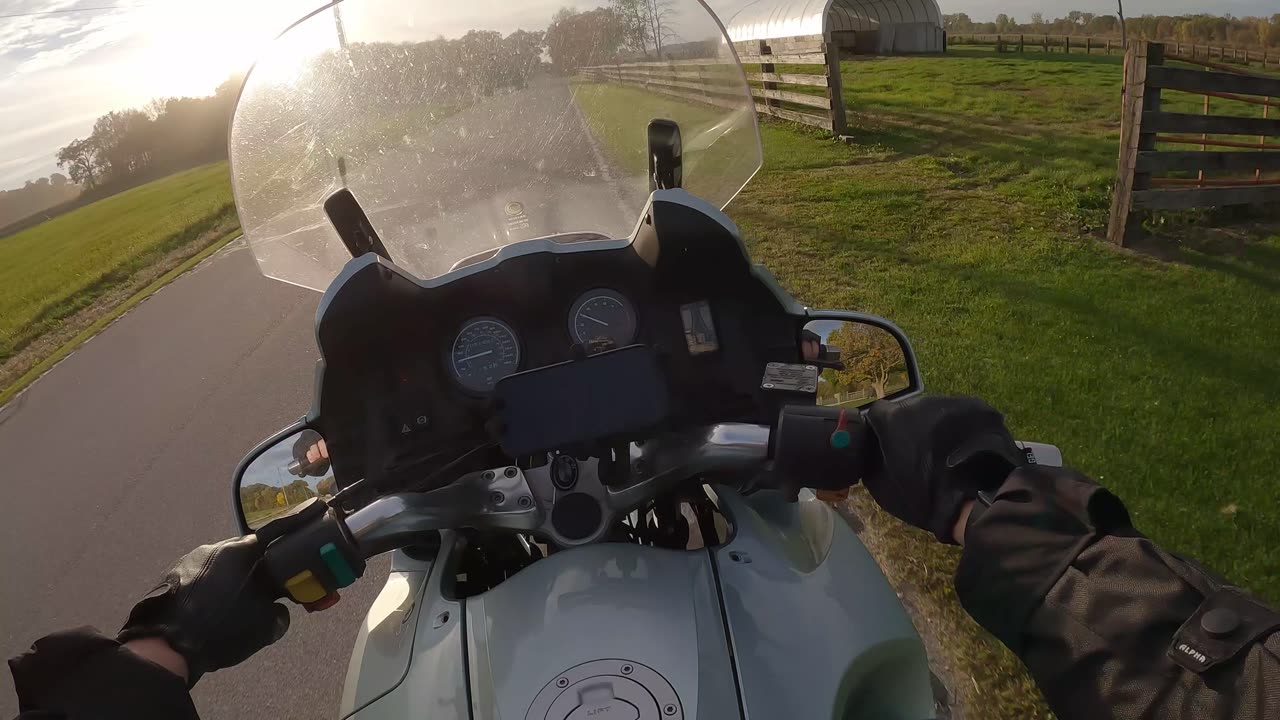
<point>1220,622</point>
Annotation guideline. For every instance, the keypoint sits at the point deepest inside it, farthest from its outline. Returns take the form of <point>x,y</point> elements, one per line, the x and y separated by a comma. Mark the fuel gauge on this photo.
<point>602,315</point>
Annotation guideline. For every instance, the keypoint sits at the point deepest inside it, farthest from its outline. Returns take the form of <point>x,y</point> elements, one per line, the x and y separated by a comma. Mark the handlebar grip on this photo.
<point>824,448</point>
<point>310,555</point>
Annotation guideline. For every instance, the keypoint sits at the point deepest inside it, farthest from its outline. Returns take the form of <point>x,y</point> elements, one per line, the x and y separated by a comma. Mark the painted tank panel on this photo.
<point>656,608</point>
<point>434,683</point>
<point>817,631</point>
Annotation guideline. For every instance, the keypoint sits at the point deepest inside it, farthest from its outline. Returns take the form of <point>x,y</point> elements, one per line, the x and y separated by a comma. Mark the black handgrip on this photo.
<point>824,448</point>
<point>309,554</point>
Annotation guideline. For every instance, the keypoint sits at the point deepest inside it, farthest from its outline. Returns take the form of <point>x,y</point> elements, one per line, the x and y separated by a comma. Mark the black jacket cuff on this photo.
<point>1040,520</point>
<point>81,674</point>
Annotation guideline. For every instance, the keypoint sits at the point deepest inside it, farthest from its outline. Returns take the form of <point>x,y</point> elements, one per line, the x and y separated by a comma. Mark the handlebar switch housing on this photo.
<point>825,448</point>
<point>310,555</point>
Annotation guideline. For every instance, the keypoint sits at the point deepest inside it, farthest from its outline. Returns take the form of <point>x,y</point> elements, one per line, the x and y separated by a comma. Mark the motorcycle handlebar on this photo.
<point>808,447</point>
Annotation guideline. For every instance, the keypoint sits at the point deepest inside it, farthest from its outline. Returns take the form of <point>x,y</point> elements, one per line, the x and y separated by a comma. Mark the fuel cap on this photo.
<point>613,689</point>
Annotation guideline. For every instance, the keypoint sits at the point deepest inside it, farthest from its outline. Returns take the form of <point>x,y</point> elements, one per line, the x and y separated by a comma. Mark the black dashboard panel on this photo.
<point>393,412</point>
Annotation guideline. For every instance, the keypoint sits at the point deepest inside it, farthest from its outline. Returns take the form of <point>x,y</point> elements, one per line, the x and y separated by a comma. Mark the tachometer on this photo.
<point>485,351</point>
<point>602,315</point>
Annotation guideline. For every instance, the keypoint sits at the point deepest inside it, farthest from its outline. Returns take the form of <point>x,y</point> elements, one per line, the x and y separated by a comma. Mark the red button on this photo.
<point>323,603</point>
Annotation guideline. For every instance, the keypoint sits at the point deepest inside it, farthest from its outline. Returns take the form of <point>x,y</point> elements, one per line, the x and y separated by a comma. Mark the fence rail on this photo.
<point>1145,126</point>
<point>780,93</point>
<point>857,397</point>
<point>1023,42</point>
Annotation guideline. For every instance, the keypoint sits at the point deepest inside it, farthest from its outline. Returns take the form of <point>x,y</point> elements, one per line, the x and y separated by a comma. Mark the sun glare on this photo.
<point>192,47</point>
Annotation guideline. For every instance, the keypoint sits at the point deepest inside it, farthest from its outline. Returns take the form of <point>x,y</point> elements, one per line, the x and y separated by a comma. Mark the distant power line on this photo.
<point>73,10</point>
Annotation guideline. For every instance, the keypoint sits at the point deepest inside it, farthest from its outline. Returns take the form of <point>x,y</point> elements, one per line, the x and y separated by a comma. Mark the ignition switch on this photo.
<point>564,472</point>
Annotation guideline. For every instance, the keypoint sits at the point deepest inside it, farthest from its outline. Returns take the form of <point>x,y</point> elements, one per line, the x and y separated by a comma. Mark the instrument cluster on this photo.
<point>487,349</point>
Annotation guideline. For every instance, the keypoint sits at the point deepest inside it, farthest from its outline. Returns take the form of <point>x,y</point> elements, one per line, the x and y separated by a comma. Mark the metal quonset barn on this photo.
<point>865,26</point>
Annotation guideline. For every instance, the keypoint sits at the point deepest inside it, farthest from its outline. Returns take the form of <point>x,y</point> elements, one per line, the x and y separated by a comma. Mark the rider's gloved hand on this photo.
<point>936,453</point>
<point>213,607</point>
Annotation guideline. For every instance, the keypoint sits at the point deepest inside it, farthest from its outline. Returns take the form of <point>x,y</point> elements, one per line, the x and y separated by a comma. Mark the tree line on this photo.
<point>35,196</point>
<point>1203,29</point>
<point>259,497</point>
<point>169,134</point>
<point>126,148</point>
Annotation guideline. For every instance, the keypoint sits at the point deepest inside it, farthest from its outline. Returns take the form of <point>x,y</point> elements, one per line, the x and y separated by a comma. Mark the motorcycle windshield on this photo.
<point>461,127</point>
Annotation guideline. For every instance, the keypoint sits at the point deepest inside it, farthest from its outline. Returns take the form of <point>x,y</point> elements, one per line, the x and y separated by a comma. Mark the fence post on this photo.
<point>835,89</point>
<point>1108,46</point>
<point>1138,100</point>
<point>1088,45</point>
<point>1045,38</point>
<point>1022,39</point>
<point>766,68</point>
<point>1066,44</point>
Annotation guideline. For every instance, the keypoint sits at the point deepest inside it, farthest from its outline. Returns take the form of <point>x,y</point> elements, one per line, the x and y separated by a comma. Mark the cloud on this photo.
<point>32,43</point>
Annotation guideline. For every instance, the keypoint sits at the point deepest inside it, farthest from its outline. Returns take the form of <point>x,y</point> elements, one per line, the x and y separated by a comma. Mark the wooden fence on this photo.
<point>857,397</point>
<point>1016,42</point>
<point>787,93</point>
<point>1145,126</point>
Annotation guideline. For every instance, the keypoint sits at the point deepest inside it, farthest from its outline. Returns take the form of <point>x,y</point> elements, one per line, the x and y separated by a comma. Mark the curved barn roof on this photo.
<point>764,19</point>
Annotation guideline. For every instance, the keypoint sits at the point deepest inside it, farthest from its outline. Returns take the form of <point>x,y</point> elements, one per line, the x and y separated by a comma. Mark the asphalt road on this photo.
<point>119,461</point>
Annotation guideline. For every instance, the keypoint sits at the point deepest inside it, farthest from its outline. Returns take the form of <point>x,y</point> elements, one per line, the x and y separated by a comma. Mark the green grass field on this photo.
<point>964,211</point>
<point>54,269</point>
<point>968,211</point>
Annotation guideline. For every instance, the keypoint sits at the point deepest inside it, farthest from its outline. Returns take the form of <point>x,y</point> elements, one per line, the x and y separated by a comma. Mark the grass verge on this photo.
<point>54,270</point>
<point>41,367</point>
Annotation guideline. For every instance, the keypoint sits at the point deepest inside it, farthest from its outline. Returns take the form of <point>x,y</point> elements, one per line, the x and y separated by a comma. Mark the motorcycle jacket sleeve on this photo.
<point>79,674</point>
<point>1109,624</point>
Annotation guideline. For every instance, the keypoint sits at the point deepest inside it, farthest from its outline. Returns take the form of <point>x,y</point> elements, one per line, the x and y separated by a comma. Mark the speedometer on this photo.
<point>602,315</point>
<point>485,351</point>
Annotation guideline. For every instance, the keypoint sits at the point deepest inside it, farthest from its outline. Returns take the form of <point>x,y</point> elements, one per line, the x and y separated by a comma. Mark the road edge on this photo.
<point>37,371</point>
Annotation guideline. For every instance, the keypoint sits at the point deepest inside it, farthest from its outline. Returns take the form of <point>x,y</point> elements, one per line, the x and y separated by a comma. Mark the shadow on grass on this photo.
<point>1180,353</point>
<point>914,133</point>
<point>1035,53</point>
<point>1205,356</point>
<point>1236,241</point>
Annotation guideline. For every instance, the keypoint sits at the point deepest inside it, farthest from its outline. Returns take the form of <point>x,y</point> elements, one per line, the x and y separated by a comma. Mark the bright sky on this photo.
<point>59,72</point>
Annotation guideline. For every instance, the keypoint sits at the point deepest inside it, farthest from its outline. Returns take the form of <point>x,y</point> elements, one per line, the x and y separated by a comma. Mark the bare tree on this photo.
<point>635,16</point>
<point>1124,33</point>
<point>660,32</point>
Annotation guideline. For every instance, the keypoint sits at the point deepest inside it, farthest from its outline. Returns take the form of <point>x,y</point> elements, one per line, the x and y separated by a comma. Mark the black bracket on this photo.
<point>665,171</point>
<point>353,225</point>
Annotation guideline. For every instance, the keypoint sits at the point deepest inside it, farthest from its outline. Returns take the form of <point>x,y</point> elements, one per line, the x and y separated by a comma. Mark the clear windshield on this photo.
<point>461,127</point>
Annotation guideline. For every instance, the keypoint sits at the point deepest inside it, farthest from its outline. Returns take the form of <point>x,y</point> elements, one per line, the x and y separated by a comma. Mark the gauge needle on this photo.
<point>582,314</point>
<point>477,355</point>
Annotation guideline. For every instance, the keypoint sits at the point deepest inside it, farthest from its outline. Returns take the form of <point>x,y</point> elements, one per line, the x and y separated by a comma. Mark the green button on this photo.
<point>337,565</point>
<point>841,439</point>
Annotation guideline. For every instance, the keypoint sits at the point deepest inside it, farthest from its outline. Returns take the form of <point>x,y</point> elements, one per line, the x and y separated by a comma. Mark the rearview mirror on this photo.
<point>862,359</point>
<point>281,474</point>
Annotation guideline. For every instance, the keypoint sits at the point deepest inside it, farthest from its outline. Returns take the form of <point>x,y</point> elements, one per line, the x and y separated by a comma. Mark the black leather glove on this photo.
<point>213,606</point>
<point>936,453</point>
